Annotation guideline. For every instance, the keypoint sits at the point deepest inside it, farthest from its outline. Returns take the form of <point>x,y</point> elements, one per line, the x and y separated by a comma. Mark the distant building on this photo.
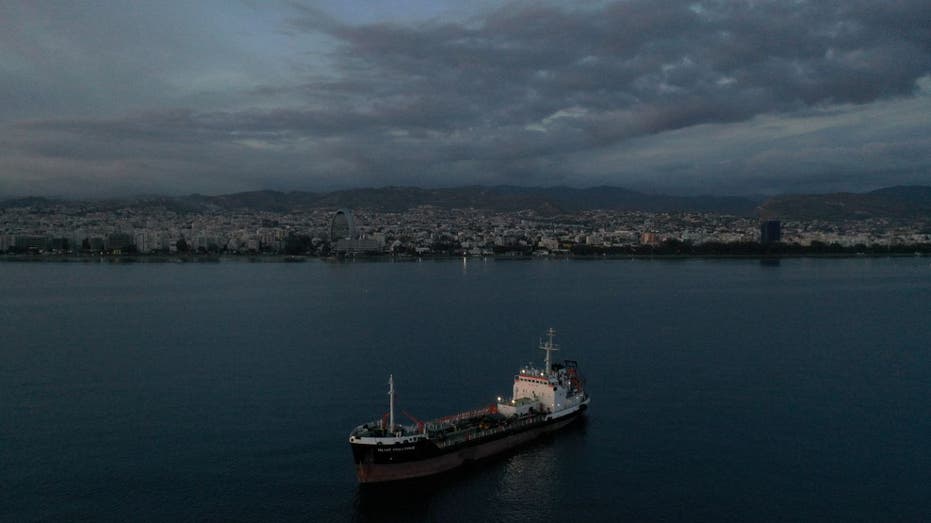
<point>59,244</point>
<point>95,244</point>
<point>342,226</point>
<point>358,246</point>
<point>31,243</point>
<point>119,242</point>
<point>770,232</point>
<point>346,240</point>
<point>649,238</point>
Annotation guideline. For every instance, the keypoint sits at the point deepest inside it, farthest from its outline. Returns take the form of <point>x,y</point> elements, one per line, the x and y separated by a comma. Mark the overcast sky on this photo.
<point>104,98</point>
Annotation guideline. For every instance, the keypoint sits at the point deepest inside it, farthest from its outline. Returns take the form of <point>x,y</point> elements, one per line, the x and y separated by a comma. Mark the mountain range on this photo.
<point>904,202</point>
<point>901,202</point>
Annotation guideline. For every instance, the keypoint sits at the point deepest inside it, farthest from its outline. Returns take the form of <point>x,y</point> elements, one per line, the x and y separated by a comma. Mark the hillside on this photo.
<point>892,203</point>
<point>901,203</point>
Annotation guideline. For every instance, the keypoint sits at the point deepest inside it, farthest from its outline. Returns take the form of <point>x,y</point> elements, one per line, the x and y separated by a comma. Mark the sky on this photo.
<point>116,98</point>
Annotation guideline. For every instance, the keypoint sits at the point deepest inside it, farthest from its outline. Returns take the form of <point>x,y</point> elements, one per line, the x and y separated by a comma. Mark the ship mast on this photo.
<point>391,403</point>
<point>549,347</point>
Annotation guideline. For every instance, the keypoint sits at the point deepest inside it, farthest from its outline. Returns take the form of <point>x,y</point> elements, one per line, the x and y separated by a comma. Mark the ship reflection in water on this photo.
<point>533,474</point>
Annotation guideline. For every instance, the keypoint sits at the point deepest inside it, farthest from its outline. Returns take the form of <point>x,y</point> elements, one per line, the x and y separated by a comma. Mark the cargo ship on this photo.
<point>543,400</point>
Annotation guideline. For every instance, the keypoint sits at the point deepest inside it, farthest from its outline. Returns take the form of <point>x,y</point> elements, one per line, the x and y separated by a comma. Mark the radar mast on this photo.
<point>391,402</point>
<point>549,347</point>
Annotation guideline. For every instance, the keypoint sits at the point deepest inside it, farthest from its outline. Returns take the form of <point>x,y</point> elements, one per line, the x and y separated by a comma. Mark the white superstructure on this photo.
<point>556,389</point>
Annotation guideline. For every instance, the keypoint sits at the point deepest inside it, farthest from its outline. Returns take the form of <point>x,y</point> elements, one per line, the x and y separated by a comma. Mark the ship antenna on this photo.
<point>549,347</point>
<point>391,403</point>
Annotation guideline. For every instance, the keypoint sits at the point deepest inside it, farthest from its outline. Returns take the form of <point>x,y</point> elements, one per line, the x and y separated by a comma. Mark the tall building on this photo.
<point>770,232</point>
<point>31,243</point>
<point>342,226</point>
<point>346,240</point>
<point>649,238</point>
<point>119,242</point>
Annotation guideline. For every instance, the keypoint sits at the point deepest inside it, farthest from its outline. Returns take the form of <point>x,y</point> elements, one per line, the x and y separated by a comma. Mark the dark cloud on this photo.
<point>694,62</point>
<point>533,93</point>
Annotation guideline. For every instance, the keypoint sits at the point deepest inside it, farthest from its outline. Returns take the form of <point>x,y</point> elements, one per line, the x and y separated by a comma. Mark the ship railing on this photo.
<point>375,429</point>
<point>468,435</point>
<point>372,426</point>
<point>469,414</point>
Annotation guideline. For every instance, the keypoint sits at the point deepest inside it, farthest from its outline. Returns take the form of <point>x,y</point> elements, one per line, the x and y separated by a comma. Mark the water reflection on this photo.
<point>395,501</point>
<point>529,483</point>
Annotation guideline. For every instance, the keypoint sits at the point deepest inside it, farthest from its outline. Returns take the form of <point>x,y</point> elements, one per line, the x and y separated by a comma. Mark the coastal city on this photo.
<point>67,228</point>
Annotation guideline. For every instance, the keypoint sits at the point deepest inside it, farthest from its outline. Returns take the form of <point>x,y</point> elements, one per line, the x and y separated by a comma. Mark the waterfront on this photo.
<point>722,389</point>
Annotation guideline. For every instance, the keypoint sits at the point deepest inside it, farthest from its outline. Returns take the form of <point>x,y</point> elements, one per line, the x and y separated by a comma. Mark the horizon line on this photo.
<point>755,196</point>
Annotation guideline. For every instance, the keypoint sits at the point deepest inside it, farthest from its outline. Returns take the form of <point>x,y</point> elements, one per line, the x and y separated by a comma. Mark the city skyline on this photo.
<point>477,222</point>
<point>108,99</point>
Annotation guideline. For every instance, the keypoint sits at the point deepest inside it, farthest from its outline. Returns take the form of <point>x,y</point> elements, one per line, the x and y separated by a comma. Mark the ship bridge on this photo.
<point>549,389</point>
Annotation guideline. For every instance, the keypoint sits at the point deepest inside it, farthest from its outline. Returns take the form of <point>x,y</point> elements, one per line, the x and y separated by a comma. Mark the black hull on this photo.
<point>379,463</point>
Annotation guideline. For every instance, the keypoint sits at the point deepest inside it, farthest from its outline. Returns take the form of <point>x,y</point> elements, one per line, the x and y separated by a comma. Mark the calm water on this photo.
<point>723,390</point>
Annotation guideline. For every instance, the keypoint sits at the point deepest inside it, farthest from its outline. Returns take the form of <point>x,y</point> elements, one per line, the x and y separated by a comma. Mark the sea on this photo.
<point>722,389</point>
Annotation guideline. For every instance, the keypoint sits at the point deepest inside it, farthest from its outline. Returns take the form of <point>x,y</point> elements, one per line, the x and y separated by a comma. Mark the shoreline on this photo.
<point>278,258</point>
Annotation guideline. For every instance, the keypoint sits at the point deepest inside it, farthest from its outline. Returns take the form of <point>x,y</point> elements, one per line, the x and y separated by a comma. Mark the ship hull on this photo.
<point>425,459</point>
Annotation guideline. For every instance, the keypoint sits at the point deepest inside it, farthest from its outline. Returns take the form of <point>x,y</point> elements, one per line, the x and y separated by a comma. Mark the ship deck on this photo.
<point>478,430</point>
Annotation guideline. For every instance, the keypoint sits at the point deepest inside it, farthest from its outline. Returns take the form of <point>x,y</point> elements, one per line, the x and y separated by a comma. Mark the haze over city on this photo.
<point>111,99</point>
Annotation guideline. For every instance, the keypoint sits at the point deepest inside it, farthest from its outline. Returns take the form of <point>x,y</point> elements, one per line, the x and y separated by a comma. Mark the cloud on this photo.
<point>526,93</point>
<point>841,148</point>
